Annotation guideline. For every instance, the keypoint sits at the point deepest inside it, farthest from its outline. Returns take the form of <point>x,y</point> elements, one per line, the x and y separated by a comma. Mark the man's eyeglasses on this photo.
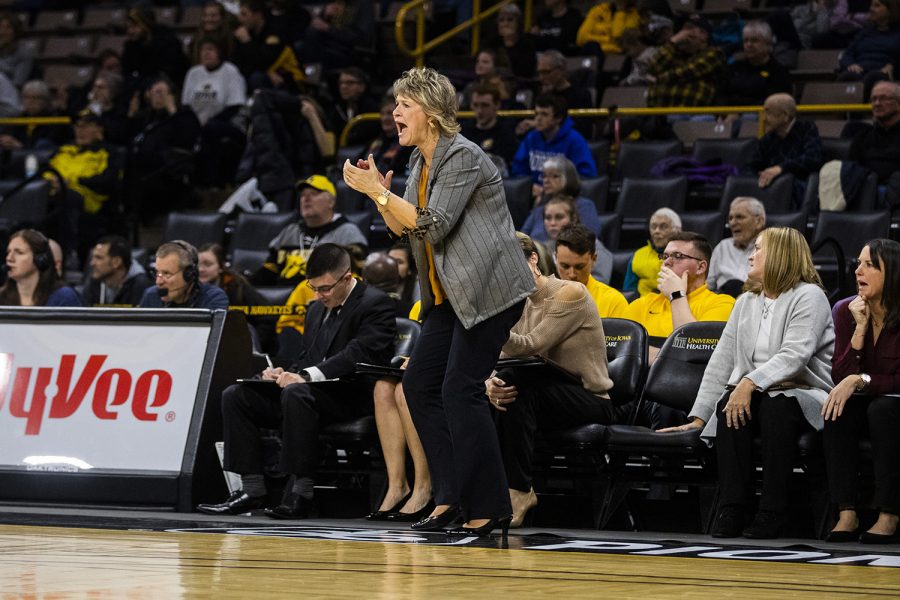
<point>165,276</point>
<point>325,289</point>
<point>664,256</point>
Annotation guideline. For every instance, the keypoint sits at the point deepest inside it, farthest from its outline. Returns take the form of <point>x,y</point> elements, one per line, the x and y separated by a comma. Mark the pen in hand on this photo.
<point>269,362</point>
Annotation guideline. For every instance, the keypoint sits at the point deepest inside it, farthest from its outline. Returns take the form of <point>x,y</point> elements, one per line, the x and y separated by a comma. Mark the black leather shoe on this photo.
<point>237,503</point>
<point>437,522</point>
<point>402,517</point>
<point>842,537</point>
<point>382,515</point>
<point>729,522</point>
<point>767,525</point>
<point>292,506</point>
<point>879,538</point>
<point>486,529</point>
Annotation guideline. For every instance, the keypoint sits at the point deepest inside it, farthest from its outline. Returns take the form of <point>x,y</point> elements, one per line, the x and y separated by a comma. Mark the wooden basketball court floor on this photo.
<point>258,558</point>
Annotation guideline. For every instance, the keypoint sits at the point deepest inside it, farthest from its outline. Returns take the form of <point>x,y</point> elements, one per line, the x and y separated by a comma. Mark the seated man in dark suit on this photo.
<point>350,323</point>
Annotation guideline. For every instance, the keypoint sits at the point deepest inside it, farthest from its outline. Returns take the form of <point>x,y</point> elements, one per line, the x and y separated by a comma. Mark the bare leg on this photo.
<point>885,525</point>
<point>422,485</point>
<point>847,521</point>
<point>393,443</point>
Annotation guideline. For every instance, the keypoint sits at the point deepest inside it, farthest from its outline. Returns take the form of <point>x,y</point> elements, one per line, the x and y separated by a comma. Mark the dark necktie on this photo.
<point>325,334</point>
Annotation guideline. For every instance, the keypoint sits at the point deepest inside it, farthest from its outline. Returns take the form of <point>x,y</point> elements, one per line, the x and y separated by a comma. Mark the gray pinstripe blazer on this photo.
<point>466,220</point>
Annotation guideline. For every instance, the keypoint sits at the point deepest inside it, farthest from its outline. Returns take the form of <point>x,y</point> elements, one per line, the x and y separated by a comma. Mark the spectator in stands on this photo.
<point>553,135</point>
<point>683,296</point>
<point>339,30</point>
<point>643,268</point>
<point>351,322</point>
<point>639,54</point>
<point>560,324</point>
<point>261,51</point>
<point>162,154</point>
<point>773,364</point>
<point>488,64</point>
<point>518,47</point>
<point>287,141</point>
<point>729,264</point>
<point>575,254</point>
<point>686,69</point>
<point>215,90</point>
<point>10,103</point>
<point>104,100</point>
<point>382,271</point>
<point>91,174</point>
<point>116,279</point>
<point>560,178</point>
<point>603,25</point>
<point>495,136</point>
<point>755,75</point>
<point>353,99</point>
<point>553,79</point>
<point>873,53</point>
<point>150,49</point>
<point>811,18</point>
<point>409,278</point>
<point>36,102</point>
<point>389,154</point>
<point>556,27</point>
<point>317,224</point>
<point>864,403</point>
<point>560,212</point>
<point>877,146</point>
<point>845,21</point>
<point>178,285</point>
<point>789,145</point>
<point>32,279</point>
<point>216,23</point>
<point>16,59</point>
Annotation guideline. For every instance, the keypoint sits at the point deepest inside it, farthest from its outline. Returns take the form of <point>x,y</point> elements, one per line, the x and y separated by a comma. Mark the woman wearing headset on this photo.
<point>32,278</point>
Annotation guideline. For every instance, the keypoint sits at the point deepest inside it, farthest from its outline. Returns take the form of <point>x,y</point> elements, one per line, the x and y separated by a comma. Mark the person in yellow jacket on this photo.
<point>90,174</point>
<point>605,23</point>
<point>683,296</point>
<point>643,268</point>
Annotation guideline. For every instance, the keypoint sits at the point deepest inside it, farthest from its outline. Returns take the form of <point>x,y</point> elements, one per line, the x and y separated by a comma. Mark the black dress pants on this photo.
<point>297,410</point>
<point>878,418</point>
<point>444,387</point>
<point>541,403</point>
<point>778,421</point>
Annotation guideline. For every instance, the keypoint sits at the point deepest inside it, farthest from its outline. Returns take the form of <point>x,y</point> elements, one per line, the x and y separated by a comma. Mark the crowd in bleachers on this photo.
<point>176,109</point>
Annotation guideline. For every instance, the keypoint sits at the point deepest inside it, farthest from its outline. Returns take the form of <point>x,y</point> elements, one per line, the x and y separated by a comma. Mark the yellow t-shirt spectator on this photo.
<point>610,301</point>
<point>654,311</point>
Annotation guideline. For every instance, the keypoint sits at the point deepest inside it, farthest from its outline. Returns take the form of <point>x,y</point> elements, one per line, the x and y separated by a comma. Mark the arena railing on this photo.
<point>422,47</point>
<point>639,112</point>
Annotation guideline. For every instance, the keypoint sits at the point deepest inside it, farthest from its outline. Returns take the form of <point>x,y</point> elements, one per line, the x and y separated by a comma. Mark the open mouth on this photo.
<point>401,128</point>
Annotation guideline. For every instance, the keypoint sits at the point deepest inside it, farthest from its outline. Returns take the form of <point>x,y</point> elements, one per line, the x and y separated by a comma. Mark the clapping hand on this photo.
<point>365,178</point>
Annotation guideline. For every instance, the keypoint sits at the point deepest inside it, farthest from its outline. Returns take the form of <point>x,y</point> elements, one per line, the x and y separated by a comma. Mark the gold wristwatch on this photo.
<point>383,197</point>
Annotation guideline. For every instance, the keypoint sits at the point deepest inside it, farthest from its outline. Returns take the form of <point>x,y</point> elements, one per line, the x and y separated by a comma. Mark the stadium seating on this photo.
<point>636,452</point>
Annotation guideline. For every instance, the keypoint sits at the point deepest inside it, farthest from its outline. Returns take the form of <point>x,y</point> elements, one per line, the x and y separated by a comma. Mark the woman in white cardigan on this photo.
<point>768,376</point>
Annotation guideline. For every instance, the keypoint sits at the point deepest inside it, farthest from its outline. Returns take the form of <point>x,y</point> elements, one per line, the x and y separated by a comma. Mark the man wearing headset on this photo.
<point>178,281</point>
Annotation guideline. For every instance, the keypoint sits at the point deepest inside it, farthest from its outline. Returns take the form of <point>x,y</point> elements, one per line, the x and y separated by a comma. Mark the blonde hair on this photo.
<point>788,262</point>
<point>434,93</point>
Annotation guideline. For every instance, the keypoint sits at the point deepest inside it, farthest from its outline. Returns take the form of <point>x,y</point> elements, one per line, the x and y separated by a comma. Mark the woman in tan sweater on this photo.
<point>560,324</point>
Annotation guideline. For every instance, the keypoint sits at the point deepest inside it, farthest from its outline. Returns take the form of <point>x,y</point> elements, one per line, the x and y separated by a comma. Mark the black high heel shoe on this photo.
<point>437,522</point>
<point>382,515</point>
<point>402,517</point>
<point>487,528</point>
